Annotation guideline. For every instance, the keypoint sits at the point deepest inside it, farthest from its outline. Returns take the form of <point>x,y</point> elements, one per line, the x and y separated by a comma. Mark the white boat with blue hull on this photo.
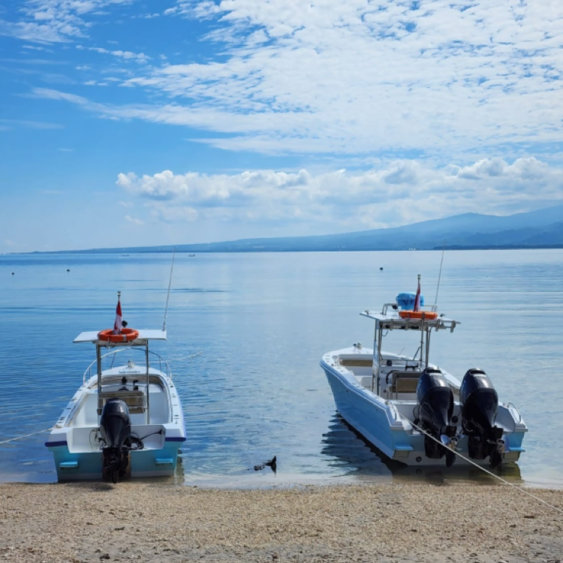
<point>412,410</point>
<point>124,421</point>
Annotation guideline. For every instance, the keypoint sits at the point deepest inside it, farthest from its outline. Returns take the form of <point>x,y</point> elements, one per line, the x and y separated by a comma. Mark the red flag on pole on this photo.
<point>117,326</point>
<point>417,298</point>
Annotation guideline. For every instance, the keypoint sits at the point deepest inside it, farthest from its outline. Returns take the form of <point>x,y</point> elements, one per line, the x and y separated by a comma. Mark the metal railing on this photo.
<point>163,364</point>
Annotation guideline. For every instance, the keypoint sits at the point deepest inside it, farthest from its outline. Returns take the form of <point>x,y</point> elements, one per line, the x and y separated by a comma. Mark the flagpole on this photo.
<point>417,298</point>
<point>118,316</point>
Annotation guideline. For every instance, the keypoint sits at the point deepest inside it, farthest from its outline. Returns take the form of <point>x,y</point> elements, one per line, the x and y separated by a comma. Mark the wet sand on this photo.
<point>131,521</point>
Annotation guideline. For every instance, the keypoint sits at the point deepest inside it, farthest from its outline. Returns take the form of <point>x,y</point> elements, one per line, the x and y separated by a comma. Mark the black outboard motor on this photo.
<point>436,405</point>
<point>479,401</point>
<point>115,429</point>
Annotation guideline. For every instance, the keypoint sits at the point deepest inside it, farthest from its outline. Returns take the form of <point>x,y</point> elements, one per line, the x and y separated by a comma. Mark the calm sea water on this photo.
<point>246,333</point>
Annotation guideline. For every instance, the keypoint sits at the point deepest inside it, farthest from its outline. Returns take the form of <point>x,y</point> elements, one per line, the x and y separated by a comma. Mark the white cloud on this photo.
<point>173,214</point>
<point>37,48</point>
<point>400,193</point>
<point>125,55</point>
<point>201,10</point>
<point>359,77</point>
<point>31,124</point>
<point>54,21</point>
<point>133,220</point>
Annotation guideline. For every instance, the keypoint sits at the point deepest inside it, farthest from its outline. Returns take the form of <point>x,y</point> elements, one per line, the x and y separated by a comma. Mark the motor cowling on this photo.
<point>479,401</point>
<point>115,423</point>
<point>115,430</point>
<point>436,403</point>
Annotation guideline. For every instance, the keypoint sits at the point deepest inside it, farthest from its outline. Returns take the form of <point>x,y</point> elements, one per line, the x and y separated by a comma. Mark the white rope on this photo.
<point>25,436</point>
<point>504,481</point>
<point>187,357</point>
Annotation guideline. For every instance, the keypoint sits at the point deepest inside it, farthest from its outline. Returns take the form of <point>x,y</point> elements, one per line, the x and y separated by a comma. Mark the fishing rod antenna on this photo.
<point>440,273</point>
<point>168,294</point>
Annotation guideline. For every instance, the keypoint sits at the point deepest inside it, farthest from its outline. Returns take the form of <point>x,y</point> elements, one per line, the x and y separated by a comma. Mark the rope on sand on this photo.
<point>504,481</point>
<point>25,436</point>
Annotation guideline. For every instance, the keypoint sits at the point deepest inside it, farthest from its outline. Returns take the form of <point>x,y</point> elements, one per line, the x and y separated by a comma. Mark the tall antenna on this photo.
<point>440,273</point>
<point>168,294</point>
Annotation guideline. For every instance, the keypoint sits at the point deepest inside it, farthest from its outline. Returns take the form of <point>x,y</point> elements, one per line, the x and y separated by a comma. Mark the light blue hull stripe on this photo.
<point>144,463</point>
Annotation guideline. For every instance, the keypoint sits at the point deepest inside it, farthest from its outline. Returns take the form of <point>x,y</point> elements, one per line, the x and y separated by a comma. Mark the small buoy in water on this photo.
<point>13,273</point>
<point>381,268</point>
<point>67,270</point>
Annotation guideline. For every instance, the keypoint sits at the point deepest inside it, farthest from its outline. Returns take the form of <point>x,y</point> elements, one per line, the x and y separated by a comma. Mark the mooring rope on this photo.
<point>25,436</point>
<point>504,481</point>
<point>190,357</point>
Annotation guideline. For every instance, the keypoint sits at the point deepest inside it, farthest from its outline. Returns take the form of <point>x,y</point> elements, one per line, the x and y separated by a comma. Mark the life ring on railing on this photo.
<point>126,335</point>
<point>419,315</point>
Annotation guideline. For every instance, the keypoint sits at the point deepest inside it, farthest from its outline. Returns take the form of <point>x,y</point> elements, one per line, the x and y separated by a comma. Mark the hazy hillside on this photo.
<point>542,228</point>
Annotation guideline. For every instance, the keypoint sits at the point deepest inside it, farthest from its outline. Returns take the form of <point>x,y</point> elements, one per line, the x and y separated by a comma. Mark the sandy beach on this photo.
<point>132,521</point>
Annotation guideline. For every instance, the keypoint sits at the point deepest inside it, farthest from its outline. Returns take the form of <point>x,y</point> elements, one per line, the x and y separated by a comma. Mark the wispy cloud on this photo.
<point>133,220</point>
<point>30,124</point>
<point>54,21</point>
<point>125,55</point>
<point>358,77</point>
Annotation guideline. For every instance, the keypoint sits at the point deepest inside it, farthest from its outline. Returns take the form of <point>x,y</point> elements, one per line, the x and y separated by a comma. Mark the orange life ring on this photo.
<point>126,335</point>
<point>428,315</point>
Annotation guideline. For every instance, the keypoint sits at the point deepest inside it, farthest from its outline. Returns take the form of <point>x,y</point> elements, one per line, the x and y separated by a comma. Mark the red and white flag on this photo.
<point>117,326</point>
<point>417,298</point>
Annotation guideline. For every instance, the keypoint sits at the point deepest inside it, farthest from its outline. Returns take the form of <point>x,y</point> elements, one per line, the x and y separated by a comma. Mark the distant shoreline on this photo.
<point>191,250</point>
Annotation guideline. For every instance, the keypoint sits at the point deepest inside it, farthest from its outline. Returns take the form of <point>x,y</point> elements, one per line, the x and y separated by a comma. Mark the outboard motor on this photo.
<point>479,402</point>
<point>115,429</point>
<point>436,405</point>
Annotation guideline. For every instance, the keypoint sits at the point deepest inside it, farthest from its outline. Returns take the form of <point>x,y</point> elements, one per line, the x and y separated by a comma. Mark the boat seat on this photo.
<point>404,381</point>
<point>135,400</point>
<point>366,363</point>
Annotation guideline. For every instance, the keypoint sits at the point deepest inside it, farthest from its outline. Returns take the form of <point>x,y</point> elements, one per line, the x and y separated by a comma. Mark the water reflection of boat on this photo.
<point>358,458</point>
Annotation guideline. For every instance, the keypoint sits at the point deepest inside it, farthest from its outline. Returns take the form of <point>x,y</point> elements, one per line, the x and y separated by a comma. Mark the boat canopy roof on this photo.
<point>144,336</point>
<point>389,319</point>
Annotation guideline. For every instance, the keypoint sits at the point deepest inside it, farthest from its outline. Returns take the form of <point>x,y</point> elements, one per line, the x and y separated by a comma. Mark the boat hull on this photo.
<point>86,466</point>
<point>381,423</point>
<point>77,450</point>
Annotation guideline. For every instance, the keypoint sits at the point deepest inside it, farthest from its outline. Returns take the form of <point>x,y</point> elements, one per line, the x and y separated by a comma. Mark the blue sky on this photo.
<point>148,122</point>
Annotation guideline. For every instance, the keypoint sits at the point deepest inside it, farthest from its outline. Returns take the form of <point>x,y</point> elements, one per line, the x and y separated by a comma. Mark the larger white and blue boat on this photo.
<point>413,411</point>
<point>126,419</point>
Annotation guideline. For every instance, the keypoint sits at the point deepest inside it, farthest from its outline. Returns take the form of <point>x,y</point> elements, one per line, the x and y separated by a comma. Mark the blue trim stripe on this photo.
<point>175,440</point>
<point>55,444</point>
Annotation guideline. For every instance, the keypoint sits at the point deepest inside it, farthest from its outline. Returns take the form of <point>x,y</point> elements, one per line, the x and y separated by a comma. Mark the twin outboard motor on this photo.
<point>479,402</point>
<point>115,430</point>
<point>436,405</point>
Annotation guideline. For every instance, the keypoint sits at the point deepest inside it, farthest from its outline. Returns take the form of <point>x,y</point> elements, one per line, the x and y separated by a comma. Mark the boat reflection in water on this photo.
<point>361,461</point>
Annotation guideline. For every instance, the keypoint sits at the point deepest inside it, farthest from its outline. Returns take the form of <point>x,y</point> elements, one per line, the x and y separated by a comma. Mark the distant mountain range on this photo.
<point>535,229</point>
